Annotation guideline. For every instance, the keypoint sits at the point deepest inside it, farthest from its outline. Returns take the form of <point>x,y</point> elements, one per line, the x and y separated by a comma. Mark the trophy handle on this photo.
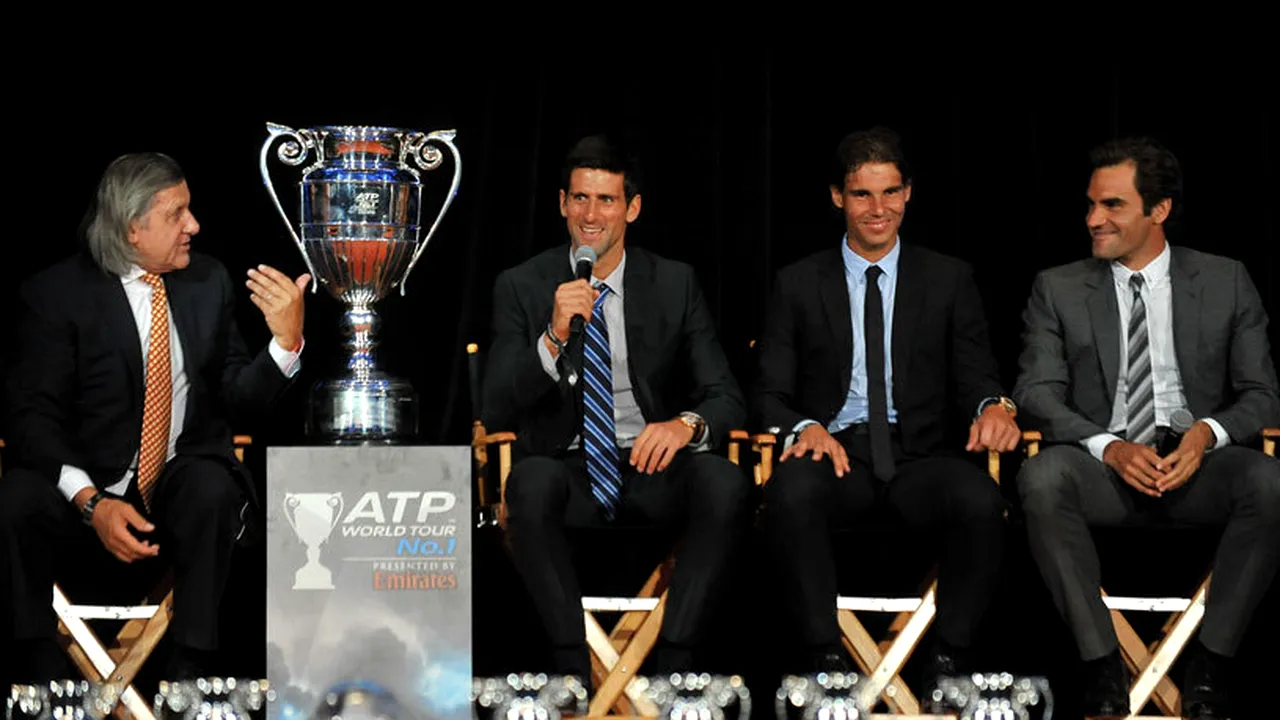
<point>428,157</point>
<point>335,500</point>
<point>293,152</point>
<point>290,503</point>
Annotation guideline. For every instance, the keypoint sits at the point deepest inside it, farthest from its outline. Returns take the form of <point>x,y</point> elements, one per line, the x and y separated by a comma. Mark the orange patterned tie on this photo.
<point>158,401</point>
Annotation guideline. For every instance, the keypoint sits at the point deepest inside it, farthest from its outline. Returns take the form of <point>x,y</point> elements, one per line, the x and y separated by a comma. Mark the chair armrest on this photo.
<point>493,439</point>
<point>761,443</point>
<point>1030,440</point>
<point>758,438</point>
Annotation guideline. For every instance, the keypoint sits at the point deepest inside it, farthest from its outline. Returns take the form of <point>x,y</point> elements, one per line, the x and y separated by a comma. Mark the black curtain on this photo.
<point>735,150</point>
<point>735,146</point>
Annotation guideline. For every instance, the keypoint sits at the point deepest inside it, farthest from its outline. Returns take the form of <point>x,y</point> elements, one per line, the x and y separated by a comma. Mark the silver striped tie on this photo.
<point>1141,389</point>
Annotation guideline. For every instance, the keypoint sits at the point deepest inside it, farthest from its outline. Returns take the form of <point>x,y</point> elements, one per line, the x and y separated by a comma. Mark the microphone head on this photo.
<point>1181,420</point>
<point>584,253</point>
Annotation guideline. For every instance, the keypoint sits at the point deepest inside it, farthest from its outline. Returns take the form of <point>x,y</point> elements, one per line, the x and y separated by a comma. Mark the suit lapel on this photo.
<point>907,302</point>
<point>1104,315</point>
<point>835,301</point>
<point>1186,305</point>
<point>639,292</point>
<point>182,304</point>
<point>121,327</point>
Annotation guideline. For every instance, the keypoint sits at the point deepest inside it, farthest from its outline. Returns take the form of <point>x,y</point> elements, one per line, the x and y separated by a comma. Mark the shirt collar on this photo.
<point>613,280</point>
<point>134,274</point>
<point>1155,273</point>
<point>856,266</point>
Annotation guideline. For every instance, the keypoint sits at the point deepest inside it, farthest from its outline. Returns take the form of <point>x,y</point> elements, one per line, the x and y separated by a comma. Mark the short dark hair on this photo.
<point>598,152</point>
<point>1157,174</point>
<point>877,145</point>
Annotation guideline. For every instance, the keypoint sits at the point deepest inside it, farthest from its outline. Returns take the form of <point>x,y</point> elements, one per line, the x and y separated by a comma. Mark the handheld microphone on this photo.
<point>584,261</point>
<point>1180,421</point>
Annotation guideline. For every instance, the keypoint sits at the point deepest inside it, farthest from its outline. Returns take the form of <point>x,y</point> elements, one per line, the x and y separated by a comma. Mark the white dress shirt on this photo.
<point>1157,296</point>
<point>73,479</point>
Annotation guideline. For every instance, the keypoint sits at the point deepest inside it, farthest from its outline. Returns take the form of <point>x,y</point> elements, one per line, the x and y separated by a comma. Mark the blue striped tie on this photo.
<point>599,439</point>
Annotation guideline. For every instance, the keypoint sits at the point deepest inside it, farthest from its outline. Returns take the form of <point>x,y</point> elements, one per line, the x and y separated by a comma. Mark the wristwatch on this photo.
<point>86,512</point>
<point>695,423</point>
<point>1004,402</point>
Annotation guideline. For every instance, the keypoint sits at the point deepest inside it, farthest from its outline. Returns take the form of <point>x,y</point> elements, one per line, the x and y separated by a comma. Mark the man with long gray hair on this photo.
<point>128,369</point>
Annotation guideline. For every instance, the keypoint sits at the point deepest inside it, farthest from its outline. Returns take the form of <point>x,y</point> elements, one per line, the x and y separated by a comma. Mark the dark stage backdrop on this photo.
<point>734,148</point>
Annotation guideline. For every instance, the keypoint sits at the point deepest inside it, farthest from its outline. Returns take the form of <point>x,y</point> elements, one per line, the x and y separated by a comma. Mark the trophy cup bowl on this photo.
<point>360,234</point>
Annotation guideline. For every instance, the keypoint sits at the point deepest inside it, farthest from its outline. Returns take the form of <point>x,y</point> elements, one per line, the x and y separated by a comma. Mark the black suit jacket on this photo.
<point>1071,347</point>
<point>75,390</point>
<point>942,361</point>
<point>675,362</point>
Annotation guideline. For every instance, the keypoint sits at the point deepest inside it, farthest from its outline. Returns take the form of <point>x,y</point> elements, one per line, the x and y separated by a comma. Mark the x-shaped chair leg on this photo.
<point>616,667</point>
<point>134,643</point>
<point>1151,668</point>
<point>882,670</point>
<point>618,655</point>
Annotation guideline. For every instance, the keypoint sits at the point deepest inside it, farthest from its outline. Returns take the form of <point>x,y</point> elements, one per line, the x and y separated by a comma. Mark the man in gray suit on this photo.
<point>1119,351</point>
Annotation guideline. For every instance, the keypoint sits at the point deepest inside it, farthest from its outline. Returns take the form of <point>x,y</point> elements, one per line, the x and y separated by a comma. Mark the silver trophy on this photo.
<point>527,697</point>
<point>213,699</point>
<point>62,700</point>
<point>694,696</point>
<point>825,696</point>
<point>995,696</point>
<point>360,235</point>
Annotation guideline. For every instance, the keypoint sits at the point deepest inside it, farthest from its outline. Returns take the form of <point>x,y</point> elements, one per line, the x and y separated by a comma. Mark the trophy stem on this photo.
<point>366,405</point>
<point>360,324</point>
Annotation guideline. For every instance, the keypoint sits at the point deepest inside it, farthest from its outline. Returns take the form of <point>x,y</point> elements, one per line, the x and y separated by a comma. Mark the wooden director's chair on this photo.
<point>616,655</point>
<point>1151,663</point>
<point>145,624</point>
<point>880,662</point>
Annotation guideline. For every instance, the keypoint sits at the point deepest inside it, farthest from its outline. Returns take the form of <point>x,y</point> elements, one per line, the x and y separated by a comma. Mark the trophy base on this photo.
<point>379,410</point>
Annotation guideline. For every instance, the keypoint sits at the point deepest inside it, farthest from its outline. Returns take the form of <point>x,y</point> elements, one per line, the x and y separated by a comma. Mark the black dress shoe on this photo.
<point>1106,687</point>
<point>575,661</point>
<point>829,659</point>
<point>1205,692</point>
<point>944,660</point>
<point>188,663</point>
<point>40,661</point>
<point>669,658</point>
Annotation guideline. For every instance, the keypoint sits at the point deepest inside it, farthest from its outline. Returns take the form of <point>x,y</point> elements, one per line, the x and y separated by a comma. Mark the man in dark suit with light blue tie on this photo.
<point>1116,348</point>
<point>874,364</point>
<point>611,421</point>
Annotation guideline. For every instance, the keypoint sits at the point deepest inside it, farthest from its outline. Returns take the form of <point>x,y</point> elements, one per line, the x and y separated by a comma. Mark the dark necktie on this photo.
<point>599,438</point>
<point>1141,390</point>
<point>878,420</point>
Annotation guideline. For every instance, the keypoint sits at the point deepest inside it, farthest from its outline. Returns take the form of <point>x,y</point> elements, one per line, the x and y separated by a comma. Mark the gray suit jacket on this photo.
<point>1071,348</point>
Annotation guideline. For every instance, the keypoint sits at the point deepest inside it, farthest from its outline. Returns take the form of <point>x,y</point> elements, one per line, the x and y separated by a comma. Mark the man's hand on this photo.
<point>994,430</point>
<point>1136,465</point>
<point>658,443</point>
<point>1178,466</point>
<point>281,302</point>
<point>112,520</point>
<point>817,440</point>
<point>575,297</point>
